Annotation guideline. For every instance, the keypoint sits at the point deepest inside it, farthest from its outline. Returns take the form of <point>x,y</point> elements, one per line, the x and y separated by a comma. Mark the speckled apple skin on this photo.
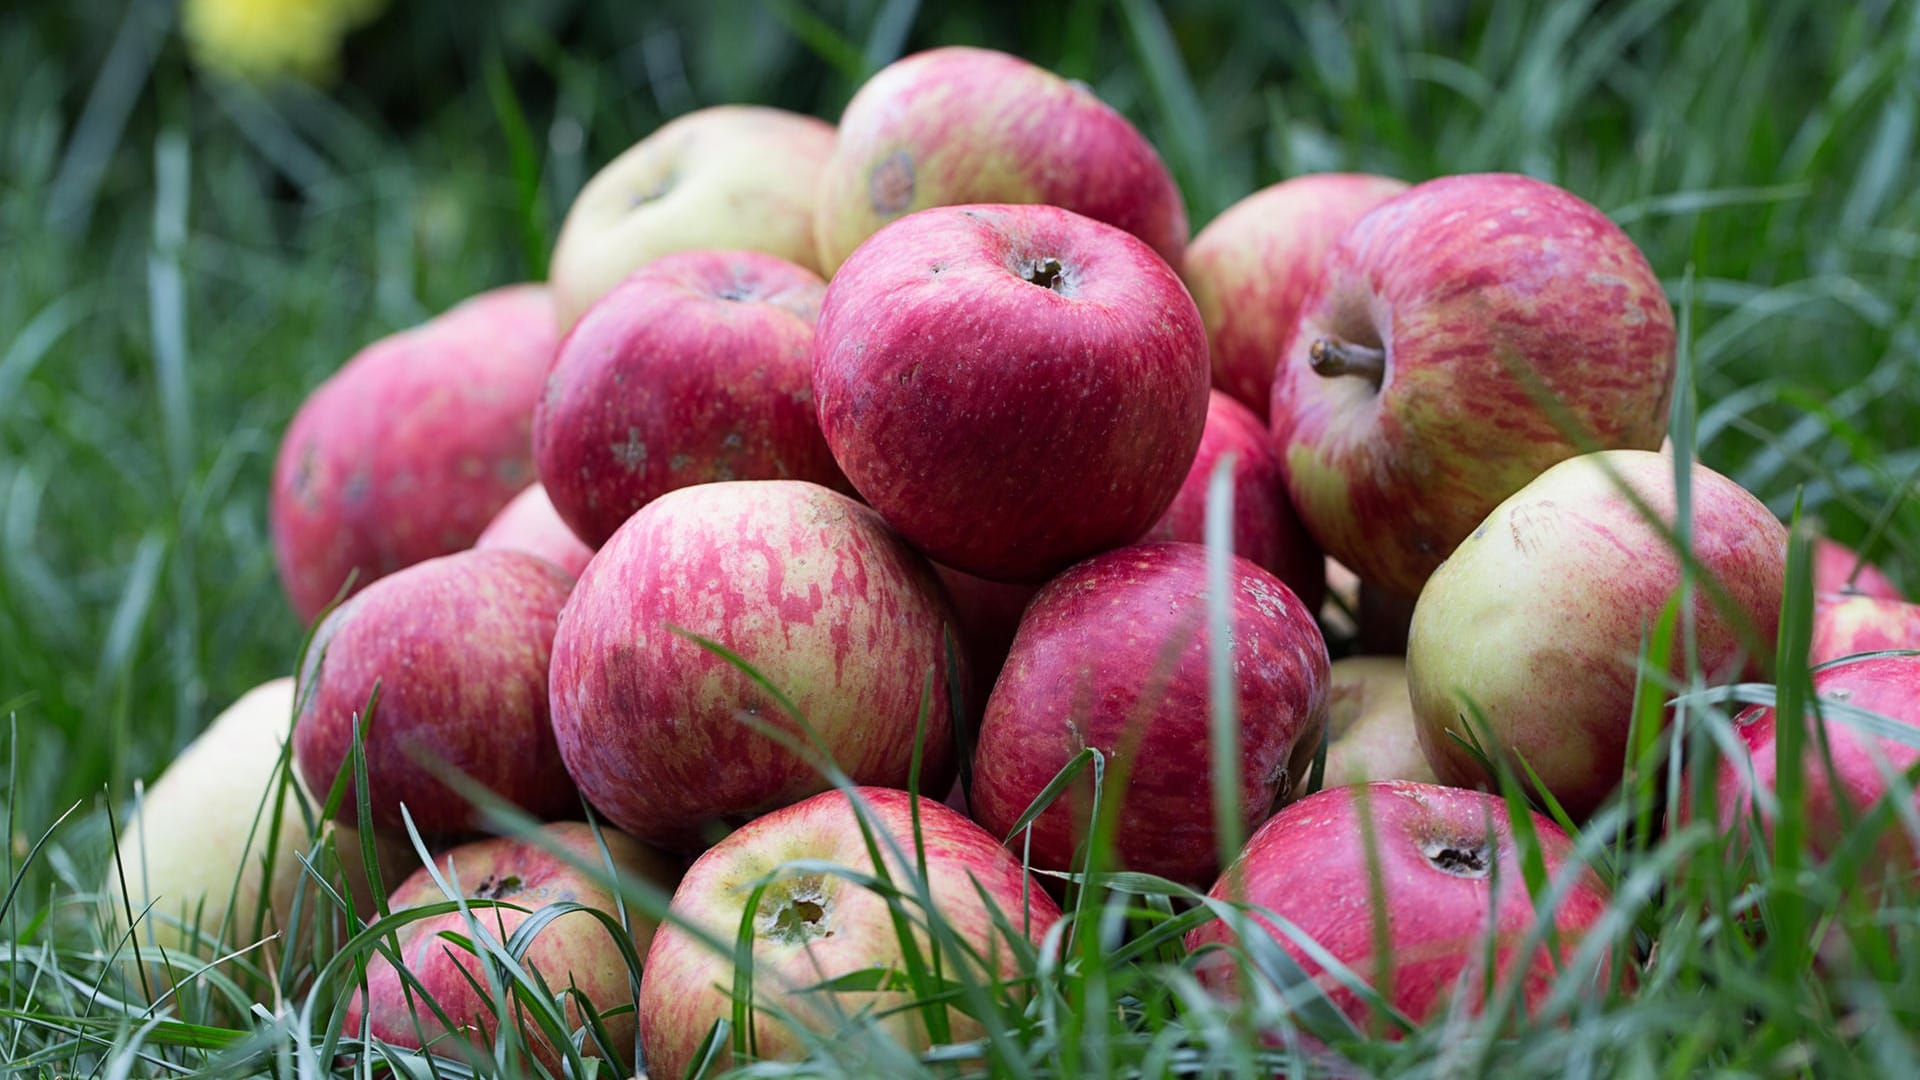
<point>1371,732</point>
<point>1113,654</point>
<point>1265,530</point>
<point>1253,267</point>
<point>1486,291</point>
<point>974,882</point>
<point>694,369</point>
<point>964,125</point>
<point>1309,865</point>
<point>1538,616</point>
<point>459,645</point>
<point>726,177</point>
<point>1833,572</point>
<point>409,449</point>
<point>574,950</point>
<point>1004,428</point>
<point>530,524</point>
<point>1848,625</point>
<point>807,585</point>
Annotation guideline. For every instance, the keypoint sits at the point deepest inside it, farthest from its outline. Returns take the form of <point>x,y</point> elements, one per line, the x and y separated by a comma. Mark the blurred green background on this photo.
<point>186,253</point>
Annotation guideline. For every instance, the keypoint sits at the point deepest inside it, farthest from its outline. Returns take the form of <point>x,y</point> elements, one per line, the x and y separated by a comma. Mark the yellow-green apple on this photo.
<point>1839,569</point>
<point>730,176</point>
<point>1113,654</point>
<point>1265,530</point>
<point>1014,388</point>
<point>693,369</point>
<point>964,125</point>
<point>1253,267</point>
<point>1466,335</point>
<point>667,738</point>
<point>459,647</point>
<point>1536,620</point>
<point>529,523</point>
<point>575,953</point>
<point>812,926</point>
<point>1846,625</point>
<point>1370,725</point>
<point>1451,895</point>
<point>410,448</point>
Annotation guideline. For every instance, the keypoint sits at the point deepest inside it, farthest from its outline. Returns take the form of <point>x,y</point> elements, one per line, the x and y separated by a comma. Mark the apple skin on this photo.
<point>574,950</point>
<point>1483,291</point>
<point>730,176</point>
<point>1265,530</point>
<point>948,384</point>
<point>409,449</point>
<point>812,927</point>
<point>530,524</point>
<point>963,125</point>
<point>1833,572</point>
<point>694,369</point>
<point>1113,654</point>
<point>459,646</point>
<point>1253,267</point>
<point>1371,732</point>
<point>805,584</point>
<point>1538,616</point>
<point>1845,625</point>
<point>986,616</point>
<point>1438,849</point>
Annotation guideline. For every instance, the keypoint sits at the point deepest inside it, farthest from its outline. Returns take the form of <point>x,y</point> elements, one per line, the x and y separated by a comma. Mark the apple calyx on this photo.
<point>796,914</point>
<point>1333,357</point>
<point>492,888</point>
<point>1470,859</point>
<point>1048,273</point>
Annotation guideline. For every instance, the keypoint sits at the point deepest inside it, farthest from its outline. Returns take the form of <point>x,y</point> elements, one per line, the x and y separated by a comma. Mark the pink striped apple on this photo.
<point>1838,568</point>
<point>1848,625</point>
<point>529,523</point>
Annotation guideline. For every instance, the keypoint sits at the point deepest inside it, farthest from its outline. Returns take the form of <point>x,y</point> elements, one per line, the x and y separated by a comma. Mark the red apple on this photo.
<point>812,926</point>
<point>575,953</point>
<point>964,125</point>
<point>1838,568</point>
<point>730,176</point>
<point>410,448</point>
<point>1537,618</point>
<point>1252,267</point>
<point>1265,530</point>
<point>1013,387</point>
<point>811,589</point>
<point>692,370</point>
<point>986,615</point>
<point>1847,625</point>
<point>458,646</point>
<point>529,523</point>
<point>1440,898</point>
<point>1467,334</point>
<point>1371,731</point>
<point>1113,654</point>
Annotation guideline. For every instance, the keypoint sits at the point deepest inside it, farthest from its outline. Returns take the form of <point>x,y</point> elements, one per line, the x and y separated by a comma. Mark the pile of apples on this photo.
<point>884,452</point>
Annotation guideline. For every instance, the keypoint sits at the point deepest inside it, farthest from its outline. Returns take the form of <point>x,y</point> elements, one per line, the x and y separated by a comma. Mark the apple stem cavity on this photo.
<point>1461,860</point>
<point>1048,274</point>
<point>1333,357</point>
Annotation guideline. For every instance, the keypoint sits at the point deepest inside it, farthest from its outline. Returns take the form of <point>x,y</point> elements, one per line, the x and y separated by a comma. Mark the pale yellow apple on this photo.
<point>1371,734</point>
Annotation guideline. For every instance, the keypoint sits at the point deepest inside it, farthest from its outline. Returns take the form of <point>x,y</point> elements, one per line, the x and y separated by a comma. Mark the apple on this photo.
<point>1014,388</point>
<point>411,447</point>
<point>694,369</point>
<point>1371,733</point>
<point>1845,625</point>
<point>458,646</point>
<point>1451,893</point>
<point>575,953</point>
<point>1838,568</point>
<point>1537,618</point>
<point>805,584</point>
<point>1252,267</point>
<point>1113,654</point>
<point>963,125</point>
<point>530,524</point>
<point>812,926</point>
<point>986,615</point>
<point>1467,334</point>
<point>730,176</point>
<point>1265,530</point>
<point>1339,612</point>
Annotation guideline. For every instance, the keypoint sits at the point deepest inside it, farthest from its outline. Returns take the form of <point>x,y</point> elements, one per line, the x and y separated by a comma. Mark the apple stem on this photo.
<point>1331,357</point>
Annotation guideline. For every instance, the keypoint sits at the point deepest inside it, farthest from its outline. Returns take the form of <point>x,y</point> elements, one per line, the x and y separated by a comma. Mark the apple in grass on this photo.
<point>459,647</point>
<point>813,926</point>
<point>730,176</point>
<point>1371,731</point>
<point>1113,654</point>
<point>963,125</point>
<point>1466,335</point>
<point>1848,625</point>
<point>694,369</point>
<point>1013,388</point>
<point>1253,267</point>
<point>807,586</point>
<point>411,447</point>
<point>530,524</point>
<point>1536,620</point>
<point>1839,569</point>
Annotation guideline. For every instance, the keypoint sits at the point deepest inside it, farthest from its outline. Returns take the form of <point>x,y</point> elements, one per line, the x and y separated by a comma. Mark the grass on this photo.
<point>186,258</point>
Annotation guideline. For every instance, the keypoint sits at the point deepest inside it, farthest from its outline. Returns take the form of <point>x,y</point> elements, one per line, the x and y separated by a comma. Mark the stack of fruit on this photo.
<point>877,457</point>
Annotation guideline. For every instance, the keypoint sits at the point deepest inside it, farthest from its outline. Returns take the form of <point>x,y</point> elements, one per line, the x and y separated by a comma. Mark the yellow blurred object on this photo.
<point>264,39</point>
